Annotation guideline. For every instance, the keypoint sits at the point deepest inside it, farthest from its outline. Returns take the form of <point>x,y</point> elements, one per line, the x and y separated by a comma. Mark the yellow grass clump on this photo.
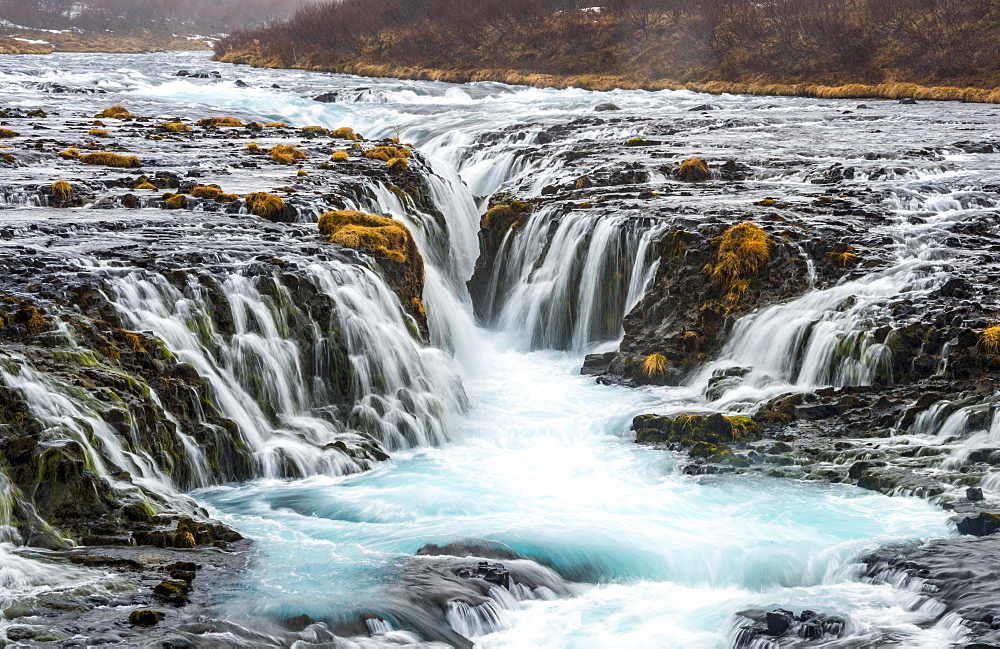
<point>71,153</point>
<point>220,121</point>
<point>744,250</point>
<point>387,153</point>
<point>286,154</point>
<point>318,130</point>
<point>264,205</point>
<point>654,365</point>
<point>989,339</point>
<point>226,198</point>
<point>276,125</point>
<point>6,133</point>
<point>115,112</point>
<point>843,259</point>
<point>98,132</point>
<point>61,190</point>
<point>378,235</point>
<point>693,170</point>
<point>206,191</point>
<point>175,201</point>
<point>253,147</point>
<point>340,156</point>
<point>111,160</point>
<point>344,133</point>
<point>398,164</point>
<point>175,127</point>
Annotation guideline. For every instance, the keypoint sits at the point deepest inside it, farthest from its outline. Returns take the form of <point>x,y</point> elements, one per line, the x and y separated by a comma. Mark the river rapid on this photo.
<point>527,455</point>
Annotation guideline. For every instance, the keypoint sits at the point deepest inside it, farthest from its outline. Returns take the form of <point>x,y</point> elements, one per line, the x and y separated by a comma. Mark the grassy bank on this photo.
<point>41,42</point>
<point>817,48</point>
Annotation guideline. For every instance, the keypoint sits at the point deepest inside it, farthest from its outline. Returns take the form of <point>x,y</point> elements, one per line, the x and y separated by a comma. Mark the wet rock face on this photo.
<point>66,247</point>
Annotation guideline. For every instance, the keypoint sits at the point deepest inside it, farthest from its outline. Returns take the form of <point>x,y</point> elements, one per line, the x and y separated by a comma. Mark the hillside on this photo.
<point>42,26</point>
<point>869,46</point>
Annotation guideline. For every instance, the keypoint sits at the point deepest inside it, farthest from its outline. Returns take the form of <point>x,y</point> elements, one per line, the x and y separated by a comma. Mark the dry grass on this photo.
<point>253,147</point>
<point>845,258</point>
<point>378,235</point>
<point>398,164</point>
<point>6,133</point>
<point>743,251</point>
<point>145,184</point>
<point>206,191</point>
<point>114,112</point>
<point>61,190</point>
<point>111,160</point>
<point>989,339</point>
<point>344,133</point>
<point>655,365</point>
<point>226,198</point>
<point>266,206</point>
<point>286,154</point>
<point>71,153</point>
<point>220,121</point>
<point>693,170</point>
<point>302,173</point>
<point>340,156</point>
<point>314,130</point>
<point>175,201</point>
<point>276,125</point>
<point>175,127</point>
<point>98,132</point>
<point>387,153</point>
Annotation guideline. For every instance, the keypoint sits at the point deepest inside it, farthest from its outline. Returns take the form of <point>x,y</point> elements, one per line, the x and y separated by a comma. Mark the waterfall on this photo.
<point>573,290</point>
<point>401,391</point>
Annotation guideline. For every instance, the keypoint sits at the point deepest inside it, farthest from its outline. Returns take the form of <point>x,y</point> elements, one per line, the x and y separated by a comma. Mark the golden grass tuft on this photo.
<point>175,127</point>
<point>175,201</point>
<point>655,365</point>
<point>6,133</point>
<point>266,206</point>
<point>693,170</point>
<point>340,156</point>
<point>276,125</point>
<point>378,235</point>
<point>226,198</point>
<point>220,121</point>
<point>989,339</point>
<point>253,147</point>
<point>61,190</point>
<point>115,112</point>
<point>398,164</point>
<point>286,154</point>
<point>145,184</point>
<point>318,130</point>
<point>98,132</point>
<point>744,250</point>
<point>133,340</point>
<point>111,160</point>
<point>302,173</point>
<point>843,259</point>
<point>344,133</point>
<point>387,153</point>
<point>206,191</point>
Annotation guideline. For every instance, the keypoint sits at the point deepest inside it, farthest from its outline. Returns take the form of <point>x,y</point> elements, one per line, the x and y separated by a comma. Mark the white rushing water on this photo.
<point>538,458</point>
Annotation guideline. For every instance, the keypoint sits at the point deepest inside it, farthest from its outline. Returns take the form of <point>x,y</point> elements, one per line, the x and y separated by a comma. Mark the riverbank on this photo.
<point>605,83</point>
<point>28,41</point>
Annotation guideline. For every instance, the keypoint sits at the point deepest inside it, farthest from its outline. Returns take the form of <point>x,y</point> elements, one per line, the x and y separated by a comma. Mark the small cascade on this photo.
<point>572,290</point>
<point>833,336</point>
<point>272,364</point>
<point>474,621</point>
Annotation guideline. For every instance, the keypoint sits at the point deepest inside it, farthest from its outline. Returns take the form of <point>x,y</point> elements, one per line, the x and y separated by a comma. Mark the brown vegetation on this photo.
<point>378,235</point>
<point>111,160</point>
<point>115,112</point>
<point>286,154</point>
<point>266,206</point>
<point>940,49</point>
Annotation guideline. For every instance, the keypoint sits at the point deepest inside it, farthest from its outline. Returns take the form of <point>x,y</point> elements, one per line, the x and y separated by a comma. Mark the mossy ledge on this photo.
<point>391,245</point>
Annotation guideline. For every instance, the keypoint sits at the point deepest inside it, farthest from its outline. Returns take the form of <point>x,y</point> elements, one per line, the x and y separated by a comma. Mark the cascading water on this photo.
<point>626,550</point>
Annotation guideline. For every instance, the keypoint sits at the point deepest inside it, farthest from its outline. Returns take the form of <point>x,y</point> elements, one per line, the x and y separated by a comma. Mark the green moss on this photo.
<point>145,617</point>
